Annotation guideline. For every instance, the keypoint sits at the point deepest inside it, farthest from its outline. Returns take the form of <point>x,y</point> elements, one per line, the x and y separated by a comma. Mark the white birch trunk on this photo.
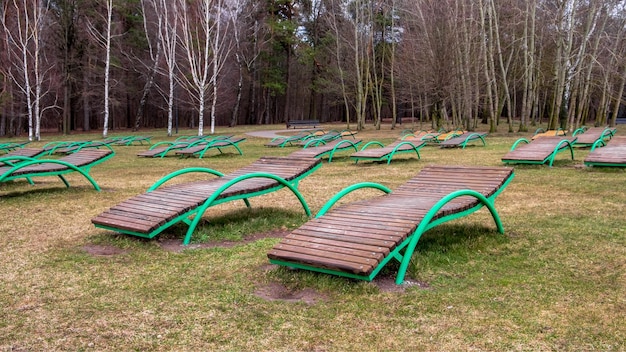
<point>107,67</point>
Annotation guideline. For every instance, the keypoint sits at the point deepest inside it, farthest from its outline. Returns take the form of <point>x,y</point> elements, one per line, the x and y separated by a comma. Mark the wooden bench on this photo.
<point>358,239</point>
<point>302,123</point>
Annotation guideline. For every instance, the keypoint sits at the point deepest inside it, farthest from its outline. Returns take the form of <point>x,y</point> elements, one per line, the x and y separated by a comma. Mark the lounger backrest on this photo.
<point>439,181</point>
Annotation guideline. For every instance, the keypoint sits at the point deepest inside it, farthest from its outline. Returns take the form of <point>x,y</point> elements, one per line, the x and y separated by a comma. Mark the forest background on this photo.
<point>81,65</point>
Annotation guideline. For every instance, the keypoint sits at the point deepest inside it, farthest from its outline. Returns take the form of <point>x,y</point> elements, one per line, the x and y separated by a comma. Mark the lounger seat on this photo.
<point>321,149</point>
<point>539,151</point>
<point>463,139</point>
<point>151,213</point>
<point>358,239</point>
<point>80,162</point>
<point>613,154</point>
<point>369,152</point>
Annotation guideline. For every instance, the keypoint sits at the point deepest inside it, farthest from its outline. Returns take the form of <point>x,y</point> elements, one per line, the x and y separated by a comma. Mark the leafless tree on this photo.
<point>204,47</point>
<point>24,23</point>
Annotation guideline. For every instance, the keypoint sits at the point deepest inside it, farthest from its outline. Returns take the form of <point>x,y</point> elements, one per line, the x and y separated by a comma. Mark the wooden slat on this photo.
<point>321,262</point>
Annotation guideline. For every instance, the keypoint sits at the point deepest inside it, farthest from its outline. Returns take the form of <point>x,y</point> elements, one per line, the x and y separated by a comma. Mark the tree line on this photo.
<point>81,65</point>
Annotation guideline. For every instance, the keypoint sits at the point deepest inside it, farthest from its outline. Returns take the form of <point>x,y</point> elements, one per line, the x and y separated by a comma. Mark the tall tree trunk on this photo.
<point>107,66</point>
<point>147,88</point>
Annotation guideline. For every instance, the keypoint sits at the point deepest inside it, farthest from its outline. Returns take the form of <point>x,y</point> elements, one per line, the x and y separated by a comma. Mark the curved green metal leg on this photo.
<point>424,225</point>
<point>209,202</point>
<point>330,203</point>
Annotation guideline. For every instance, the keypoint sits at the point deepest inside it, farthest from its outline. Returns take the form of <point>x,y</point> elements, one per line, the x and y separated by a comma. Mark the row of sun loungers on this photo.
<point>544,149</point>
<point>355,240</point>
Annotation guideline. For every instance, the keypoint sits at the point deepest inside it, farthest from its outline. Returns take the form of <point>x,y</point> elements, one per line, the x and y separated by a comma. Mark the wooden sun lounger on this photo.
<point>387,152</point>
<point>80,162</point>
<point>540,133</point>
<point>130,140</point>
<point>418,135</point>
<point>358,239</point>
<point>586,138</point>
<point>21,154</point>
<point>66,147</point>
<point>319,139</point>
<point>285,141</point>
<point>613,154</point>
<point>7,147</point>
<point>153,212</point>
<point>463,139</point>
<point>539,151</point>
<point>442,137</point>
<point>219,144</point>
<point>322,149</point>
<point>161,149</point>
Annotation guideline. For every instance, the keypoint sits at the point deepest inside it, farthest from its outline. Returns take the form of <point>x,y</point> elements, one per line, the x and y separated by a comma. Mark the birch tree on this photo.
<point>165,13</point>
<point>204,49</point>
<point>28,67</point>
<point>104,39</point>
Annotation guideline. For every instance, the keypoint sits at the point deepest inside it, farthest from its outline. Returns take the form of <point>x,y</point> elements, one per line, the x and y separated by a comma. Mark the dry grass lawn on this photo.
<point>554,281</point>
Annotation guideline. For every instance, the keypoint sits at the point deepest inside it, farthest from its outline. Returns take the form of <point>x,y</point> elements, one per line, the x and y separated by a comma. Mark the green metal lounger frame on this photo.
<point>80,162</point>
<point>356,240</point>
<point>151,213</point>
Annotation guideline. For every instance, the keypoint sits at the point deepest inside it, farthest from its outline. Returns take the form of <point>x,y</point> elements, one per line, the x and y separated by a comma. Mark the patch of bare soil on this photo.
<point>173,245</point>
<point>277,292</point>
<point>102,250</point>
